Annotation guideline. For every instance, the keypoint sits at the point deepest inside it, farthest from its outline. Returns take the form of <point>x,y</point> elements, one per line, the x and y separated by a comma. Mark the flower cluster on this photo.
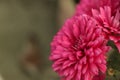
<point>107,14</point>
<point>79,49</point>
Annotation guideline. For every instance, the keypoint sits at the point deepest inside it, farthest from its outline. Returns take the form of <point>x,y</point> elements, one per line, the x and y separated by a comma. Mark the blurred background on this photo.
<point>26,30</point>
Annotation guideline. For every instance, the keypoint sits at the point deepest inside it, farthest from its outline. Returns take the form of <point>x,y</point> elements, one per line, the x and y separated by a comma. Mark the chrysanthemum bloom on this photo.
<point>110,23</point>
<point>86,6</point>
<point>78,50</point>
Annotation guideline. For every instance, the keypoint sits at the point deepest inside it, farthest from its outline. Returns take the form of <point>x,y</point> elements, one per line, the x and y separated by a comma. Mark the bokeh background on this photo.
<point>26,30</point>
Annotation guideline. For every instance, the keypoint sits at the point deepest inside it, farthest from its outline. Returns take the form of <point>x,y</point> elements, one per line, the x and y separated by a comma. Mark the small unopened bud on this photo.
<point>111,72</point>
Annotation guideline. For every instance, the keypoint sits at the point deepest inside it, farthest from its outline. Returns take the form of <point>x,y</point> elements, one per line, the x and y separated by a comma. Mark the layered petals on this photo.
<point>109,23</point>
<point>78,50</point>
<point>86,6</point>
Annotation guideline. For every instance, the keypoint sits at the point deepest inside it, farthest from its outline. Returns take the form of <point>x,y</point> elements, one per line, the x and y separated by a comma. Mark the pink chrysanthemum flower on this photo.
<point>85,6</point>
<point>110,23</point>
<point>78,50</point>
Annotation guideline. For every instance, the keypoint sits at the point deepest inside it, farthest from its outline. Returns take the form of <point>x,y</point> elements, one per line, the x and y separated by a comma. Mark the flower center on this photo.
<point>78,45</point>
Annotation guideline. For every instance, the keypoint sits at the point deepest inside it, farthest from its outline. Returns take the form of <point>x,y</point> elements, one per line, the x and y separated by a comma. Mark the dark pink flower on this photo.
<point>86,6</point>
<point>78,50</point>
<point>110,23</point>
